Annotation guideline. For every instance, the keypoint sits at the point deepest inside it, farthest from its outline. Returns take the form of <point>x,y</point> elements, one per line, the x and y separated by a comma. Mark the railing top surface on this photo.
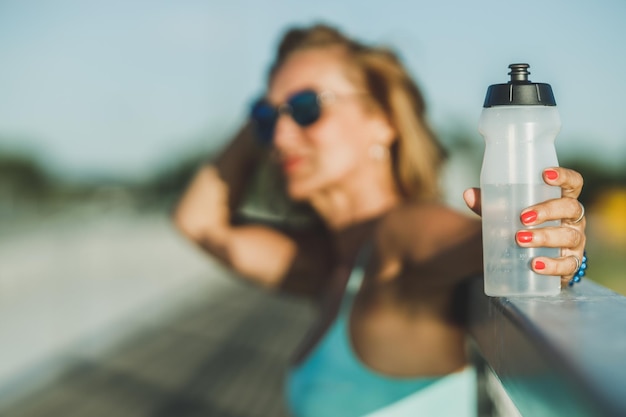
<point>556,353</point>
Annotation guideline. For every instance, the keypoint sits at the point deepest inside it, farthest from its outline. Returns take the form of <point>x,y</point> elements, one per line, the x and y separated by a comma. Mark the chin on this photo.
<point>300,191</point>
<point>298,195</point>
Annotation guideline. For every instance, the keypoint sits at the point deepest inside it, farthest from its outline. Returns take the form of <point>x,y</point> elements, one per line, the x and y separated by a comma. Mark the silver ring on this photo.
<point>577,263</point>
<point>582,213</point>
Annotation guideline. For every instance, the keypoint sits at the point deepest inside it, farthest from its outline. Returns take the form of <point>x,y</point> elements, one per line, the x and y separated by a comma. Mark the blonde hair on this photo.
<point>417,154</point>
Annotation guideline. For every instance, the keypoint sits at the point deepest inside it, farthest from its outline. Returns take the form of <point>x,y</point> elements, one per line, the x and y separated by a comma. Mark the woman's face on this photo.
<point>334,149</point>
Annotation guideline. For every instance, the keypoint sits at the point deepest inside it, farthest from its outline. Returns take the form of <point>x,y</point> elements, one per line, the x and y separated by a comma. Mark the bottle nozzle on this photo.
<point>519,73</point>
<point>519,91</point>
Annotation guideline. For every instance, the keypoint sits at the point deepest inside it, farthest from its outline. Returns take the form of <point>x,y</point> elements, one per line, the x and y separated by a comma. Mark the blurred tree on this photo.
<point>21,176</point>
<point>164,187</point>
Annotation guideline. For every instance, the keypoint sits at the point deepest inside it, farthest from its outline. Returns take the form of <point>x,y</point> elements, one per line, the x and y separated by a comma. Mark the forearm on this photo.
<point>256,252</point>
<point>206,211</point>
<point>237,163</point>
<point>261,253</point>
<point>206,208</point>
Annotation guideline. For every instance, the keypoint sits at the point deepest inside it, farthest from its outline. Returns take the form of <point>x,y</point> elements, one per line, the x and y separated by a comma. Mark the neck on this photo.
<point>341,209</point>
<point>351,212</point>
<point>366,194</point>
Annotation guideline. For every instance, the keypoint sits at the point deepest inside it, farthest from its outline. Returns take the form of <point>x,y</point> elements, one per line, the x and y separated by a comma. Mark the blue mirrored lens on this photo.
<point>264,117</point>
<point>305,107</point>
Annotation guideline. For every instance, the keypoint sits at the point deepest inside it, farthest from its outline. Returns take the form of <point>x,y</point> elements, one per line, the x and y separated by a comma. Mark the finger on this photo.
<point>565,266</point>
<point>551,237</point>
<point>570,181</point>
<point>472,199</point>
<point>567,209</point>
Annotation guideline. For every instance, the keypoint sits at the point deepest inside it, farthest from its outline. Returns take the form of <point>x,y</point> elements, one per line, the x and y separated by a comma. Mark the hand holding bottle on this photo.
<point>569,236</point>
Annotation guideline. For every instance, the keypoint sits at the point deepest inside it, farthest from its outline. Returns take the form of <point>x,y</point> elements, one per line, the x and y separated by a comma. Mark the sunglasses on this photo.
<point>304,107</point>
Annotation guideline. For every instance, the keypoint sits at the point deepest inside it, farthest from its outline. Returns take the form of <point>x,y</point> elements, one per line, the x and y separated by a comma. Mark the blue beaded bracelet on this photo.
<point>581,271</point>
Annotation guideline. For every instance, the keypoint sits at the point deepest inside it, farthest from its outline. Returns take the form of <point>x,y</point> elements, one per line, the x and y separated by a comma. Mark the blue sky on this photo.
<point>121,87</point>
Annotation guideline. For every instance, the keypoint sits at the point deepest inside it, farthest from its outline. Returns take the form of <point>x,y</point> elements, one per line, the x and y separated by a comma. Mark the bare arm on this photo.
<point>440,249</point>
<point>264,255</point>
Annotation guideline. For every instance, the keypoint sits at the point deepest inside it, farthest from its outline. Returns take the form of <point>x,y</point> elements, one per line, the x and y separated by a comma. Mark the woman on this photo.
<point>346,125</point>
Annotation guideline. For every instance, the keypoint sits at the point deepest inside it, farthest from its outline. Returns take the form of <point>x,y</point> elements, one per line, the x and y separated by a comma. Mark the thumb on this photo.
<point>472,199</point>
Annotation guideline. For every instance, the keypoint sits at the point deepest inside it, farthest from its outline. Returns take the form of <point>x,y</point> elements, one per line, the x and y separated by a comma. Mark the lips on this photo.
<point>292,163</point>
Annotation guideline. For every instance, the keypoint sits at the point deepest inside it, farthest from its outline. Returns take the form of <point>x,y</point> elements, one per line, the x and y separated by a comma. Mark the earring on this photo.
<point>378,152</point>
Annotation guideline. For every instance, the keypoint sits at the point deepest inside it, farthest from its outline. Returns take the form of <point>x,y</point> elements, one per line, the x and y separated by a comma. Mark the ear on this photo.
<point>383,132</point>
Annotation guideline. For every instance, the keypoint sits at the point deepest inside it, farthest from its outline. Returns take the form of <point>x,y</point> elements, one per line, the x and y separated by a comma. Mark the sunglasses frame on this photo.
<point>265,125</point>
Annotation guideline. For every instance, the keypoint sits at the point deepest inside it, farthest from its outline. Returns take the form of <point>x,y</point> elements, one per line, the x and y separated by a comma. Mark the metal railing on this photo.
<point>552,356</point>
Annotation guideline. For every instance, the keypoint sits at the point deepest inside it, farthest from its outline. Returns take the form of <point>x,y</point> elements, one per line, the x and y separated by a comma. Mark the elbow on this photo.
<point>185,226</point>
<point>212,237</point>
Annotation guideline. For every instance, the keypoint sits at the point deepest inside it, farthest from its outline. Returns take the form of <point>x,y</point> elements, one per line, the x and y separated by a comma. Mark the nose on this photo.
<point>286,132</point>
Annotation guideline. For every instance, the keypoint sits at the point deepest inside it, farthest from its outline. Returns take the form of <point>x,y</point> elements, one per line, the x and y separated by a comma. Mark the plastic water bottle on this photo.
<point>519,122</point>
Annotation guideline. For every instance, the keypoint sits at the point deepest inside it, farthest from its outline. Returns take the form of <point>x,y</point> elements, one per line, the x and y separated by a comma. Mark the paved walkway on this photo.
<point>224,357</point>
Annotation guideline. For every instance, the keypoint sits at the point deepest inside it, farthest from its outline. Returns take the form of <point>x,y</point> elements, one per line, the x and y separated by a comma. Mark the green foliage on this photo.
<point>23,175</point>
<point>169,181</point>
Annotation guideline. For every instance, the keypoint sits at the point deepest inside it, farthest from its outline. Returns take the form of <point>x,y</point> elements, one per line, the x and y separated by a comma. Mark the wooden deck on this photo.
<point>224,357</point>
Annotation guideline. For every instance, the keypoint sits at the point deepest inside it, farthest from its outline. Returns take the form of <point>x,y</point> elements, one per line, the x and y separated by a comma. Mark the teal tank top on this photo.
<point>332,382</point>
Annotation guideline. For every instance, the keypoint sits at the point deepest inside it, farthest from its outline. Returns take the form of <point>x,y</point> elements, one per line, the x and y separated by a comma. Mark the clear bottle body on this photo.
<point>519,145</point>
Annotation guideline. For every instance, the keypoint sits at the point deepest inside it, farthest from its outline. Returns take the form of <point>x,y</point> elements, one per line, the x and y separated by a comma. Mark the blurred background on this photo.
<point>107,108</point>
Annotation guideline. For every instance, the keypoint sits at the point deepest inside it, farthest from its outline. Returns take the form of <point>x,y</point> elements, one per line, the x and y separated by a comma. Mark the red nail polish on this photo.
<point>524,236</point>
<point>529,217</point>
<point>539,265</point>
<point>551,174</point>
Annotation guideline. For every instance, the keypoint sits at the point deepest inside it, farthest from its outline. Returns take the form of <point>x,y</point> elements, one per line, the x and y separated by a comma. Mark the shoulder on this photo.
<point>428,240</point>
<point>420,228</point>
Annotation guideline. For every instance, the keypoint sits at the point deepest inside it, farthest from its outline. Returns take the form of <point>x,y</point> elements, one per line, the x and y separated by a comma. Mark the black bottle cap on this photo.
<point>519,91</point>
